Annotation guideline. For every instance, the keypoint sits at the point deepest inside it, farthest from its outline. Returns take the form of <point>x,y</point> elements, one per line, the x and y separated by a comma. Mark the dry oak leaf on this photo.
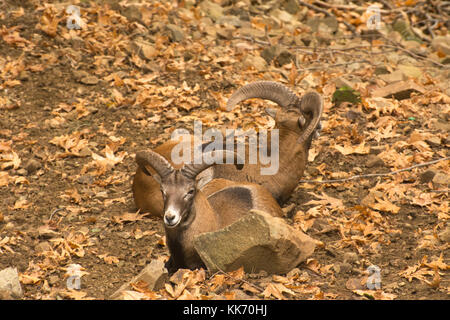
<point>349,149</point>
<point>326,200</point>
<point>384,205</point>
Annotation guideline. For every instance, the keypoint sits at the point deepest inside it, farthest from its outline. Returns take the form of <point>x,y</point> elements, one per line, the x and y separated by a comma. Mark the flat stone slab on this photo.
<point>154,274</point>
<point>257,241</point>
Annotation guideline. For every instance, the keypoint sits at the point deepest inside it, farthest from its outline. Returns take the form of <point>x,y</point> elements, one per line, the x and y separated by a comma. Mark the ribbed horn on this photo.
<point>192,170</point>
<point>269,90</point>
<point>311,103</point>
<point>156,161</point>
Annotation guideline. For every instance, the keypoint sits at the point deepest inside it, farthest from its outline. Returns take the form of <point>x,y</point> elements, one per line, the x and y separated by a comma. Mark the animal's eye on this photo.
<point>190,193</point>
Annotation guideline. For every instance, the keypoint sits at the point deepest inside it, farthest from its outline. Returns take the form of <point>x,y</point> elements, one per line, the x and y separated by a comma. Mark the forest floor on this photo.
<point>76,105</point>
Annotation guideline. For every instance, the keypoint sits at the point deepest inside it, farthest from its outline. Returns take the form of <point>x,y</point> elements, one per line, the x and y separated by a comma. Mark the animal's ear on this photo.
<point>271,112</point>
<point>301,121</point>
<point>148,173</point>
<point>203,178</point>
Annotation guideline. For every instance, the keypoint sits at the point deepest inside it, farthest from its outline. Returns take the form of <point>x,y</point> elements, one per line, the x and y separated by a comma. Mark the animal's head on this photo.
<point>300,115</point>
<point>179,186</point>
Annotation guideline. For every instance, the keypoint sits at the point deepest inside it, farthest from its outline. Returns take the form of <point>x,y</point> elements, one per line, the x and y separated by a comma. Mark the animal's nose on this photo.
<point>170,217</point>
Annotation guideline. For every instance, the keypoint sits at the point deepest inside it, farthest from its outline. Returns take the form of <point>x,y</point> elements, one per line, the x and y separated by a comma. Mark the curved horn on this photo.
<point>156,161</point>
<point>192,170</point>
<point>269,90</point>
<point>311,103</point>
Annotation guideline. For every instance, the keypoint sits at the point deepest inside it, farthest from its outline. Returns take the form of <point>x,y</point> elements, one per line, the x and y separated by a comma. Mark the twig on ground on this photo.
<point>371,175</point>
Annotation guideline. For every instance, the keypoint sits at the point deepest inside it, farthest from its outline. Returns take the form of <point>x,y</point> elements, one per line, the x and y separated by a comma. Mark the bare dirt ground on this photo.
<point>75,106</point>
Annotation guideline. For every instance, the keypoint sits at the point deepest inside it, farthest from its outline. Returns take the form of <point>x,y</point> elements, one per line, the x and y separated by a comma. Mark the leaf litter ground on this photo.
<point>76,105</point>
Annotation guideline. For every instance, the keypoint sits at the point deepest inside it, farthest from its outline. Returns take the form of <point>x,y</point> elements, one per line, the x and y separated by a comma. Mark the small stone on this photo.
<point>144,49</point>
<point>89,80</point>
<point>176,33</point>
<point>212,10</point>
<point>441,44</point>
<point>22,172</point>
<point>291,6</point>
<point>441,178</point>
<point>10,284</point>
<point>410,71</point>
<point>42,247</point>
<point>79,74</point>
<point>355,284</point>
<point>342,82</point>
<point>85,179</point>
<point>225,33</point>
<point>427,176</point>
<point>154,274</point>
<point>392,77</point>
<point>255,61</point>
<point>230,20</point>
<point>345,267</point>
<point>132,13</point>
<point>377,149</point>
<point>45,232</point>
<point>284,57</point>
<point>350,257</point>
<point>381,70</point>
<point>32,165</point>
<point>374,161</point>
<point>444,236</point>
<point>270,53</point>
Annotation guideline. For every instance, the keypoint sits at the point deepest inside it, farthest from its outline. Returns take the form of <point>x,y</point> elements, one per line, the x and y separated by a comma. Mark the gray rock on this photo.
<point>32,165</point>
<point>231,20</point>
<point>10,284</point>
<point>270,53</point>
<point>427,176</point>
<point>256,62</point>
<point>395,76</point>
<point>284,57</point>
<point>257,241</point>
<point>175,32</point>
<point>410,71</point>
<point>43,246</point>
<point>441,44</point>
<point>144,49</point>
<point>342,82</point>
<point>444,236</point>
<point>154,274</point>
<point>291,6</point>
<point>374,161</point>
<point>132,13</point>
<point>377,149</point>
<point>441,178</point>
<point>89,80</point>
<point>211,10</point>
<point>350,257</point>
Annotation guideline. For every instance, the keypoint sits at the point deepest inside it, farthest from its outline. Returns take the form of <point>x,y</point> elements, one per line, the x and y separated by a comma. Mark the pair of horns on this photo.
<point>164,168</point>
<point>310,103</point>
